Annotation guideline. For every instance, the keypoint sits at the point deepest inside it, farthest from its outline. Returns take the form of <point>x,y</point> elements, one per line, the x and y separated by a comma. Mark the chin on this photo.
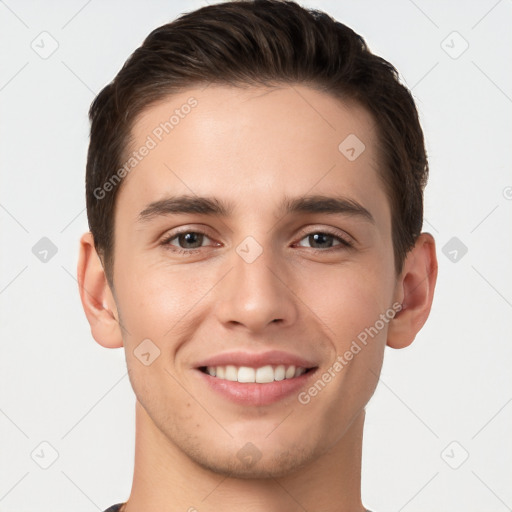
<point>276,465</point>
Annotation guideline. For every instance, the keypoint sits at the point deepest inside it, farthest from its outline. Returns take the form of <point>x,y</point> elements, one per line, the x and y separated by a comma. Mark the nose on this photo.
<point>256,295</point>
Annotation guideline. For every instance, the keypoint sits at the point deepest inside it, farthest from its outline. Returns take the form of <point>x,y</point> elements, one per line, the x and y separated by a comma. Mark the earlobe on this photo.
<point>415,291</point>
<point>96,296</point>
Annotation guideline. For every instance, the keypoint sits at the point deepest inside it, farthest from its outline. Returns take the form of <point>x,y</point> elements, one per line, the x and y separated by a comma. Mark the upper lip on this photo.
<point>256,359</point>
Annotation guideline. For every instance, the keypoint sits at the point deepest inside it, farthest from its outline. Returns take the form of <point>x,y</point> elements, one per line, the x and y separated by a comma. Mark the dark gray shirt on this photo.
<point>115,508</point>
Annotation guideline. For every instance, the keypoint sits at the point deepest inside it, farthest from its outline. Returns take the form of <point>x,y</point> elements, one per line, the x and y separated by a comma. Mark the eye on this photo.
<point>324,240</point>
<point>186,240</point>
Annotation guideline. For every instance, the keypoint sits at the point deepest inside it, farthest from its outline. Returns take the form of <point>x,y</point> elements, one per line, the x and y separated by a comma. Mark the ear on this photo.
<point>415,291</point>
<point>97,298</point>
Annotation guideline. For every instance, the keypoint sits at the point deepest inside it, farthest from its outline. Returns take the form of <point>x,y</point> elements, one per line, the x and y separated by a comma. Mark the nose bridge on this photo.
<point>254,293</point>
<point>257,277</point>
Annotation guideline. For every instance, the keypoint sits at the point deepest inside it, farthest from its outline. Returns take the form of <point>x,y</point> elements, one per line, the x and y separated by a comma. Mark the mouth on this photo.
<point>257,385</point>
<point>255,378</point>
<point>261,375</point>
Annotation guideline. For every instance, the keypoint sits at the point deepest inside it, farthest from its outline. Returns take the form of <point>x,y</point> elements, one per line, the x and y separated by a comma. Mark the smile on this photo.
<point>262,375</point>
<point>250,386</point>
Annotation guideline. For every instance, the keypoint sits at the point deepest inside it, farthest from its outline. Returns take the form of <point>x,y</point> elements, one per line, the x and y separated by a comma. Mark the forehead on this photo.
<point>253,144</point>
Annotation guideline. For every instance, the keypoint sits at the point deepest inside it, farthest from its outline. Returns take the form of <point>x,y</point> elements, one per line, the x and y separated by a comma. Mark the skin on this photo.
<point>252,147</point>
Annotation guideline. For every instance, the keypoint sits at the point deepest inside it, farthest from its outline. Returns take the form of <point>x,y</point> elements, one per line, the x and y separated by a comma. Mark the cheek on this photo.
<point>156,297</point>
<point>349,303</point>
<point>347,299</point>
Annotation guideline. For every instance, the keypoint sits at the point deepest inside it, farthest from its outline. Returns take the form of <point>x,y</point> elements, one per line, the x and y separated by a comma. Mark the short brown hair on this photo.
<point>259,42</point>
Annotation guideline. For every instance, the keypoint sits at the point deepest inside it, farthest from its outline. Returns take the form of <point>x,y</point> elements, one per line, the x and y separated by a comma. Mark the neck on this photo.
<point>166,479</point>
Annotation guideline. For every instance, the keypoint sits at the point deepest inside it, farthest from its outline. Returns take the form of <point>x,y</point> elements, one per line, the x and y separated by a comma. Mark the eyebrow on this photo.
<point>214,207</point>
<point>326,204</point>
<point>185,204</point>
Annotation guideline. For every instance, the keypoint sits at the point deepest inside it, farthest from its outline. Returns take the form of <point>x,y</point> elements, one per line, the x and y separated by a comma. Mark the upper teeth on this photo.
<point>260,375</point>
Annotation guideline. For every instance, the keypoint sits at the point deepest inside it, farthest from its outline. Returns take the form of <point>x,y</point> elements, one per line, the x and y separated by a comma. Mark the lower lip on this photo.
<point>254,393</point>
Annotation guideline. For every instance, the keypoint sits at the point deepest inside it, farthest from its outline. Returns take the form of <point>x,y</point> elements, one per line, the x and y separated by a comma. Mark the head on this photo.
<point>265,123</point>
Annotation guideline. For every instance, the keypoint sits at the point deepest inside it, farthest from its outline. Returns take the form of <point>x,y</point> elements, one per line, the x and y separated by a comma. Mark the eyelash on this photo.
<point>343,243</point>
<point>166,242</point>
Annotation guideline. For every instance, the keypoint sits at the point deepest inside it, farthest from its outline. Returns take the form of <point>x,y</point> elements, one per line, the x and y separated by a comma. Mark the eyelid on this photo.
<point>172,238</point>
<point>173,234</point>
<point>343,236</point>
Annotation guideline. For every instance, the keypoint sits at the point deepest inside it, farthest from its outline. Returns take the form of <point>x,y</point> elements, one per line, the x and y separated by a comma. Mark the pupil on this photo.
<point>191,240</point>
<point>320,239</point>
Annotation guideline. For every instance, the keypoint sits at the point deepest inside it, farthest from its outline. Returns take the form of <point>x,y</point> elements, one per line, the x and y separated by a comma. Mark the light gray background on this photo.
<point>447,396</point>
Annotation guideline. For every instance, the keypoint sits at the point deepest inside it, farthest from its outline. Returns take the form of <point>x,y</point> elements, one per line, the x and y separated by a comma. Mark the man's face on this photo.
<point>257,285</point>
